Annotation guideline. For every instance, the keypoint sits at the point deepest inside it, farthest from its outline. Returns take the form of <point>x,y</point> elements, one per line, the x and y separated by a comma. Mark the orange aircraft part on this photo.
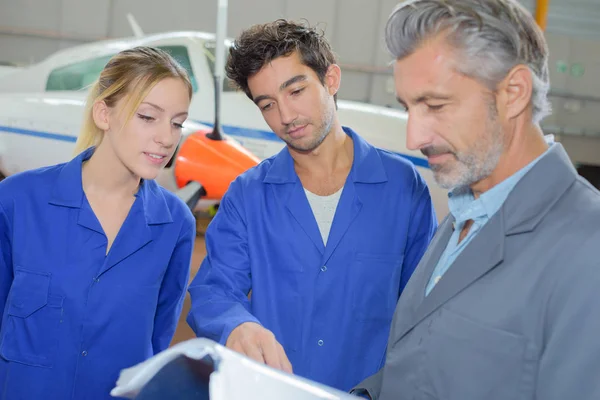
<point>212,163</point>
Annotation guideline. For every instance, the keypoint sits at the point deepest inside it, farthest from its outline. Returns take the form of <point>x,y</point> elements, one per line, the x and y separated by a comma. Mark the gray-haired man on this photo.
<point>505,302</point>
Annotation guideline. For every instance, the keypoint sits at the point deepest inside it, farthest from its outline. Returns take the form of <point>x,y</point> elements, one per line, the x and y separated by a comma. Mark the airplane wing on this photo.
<point>5,70</point>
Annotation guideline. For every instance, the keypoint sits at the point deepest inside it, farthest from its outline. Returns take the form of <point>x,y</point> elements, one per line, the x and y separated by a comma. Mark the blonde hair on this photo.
<point>132,73</point>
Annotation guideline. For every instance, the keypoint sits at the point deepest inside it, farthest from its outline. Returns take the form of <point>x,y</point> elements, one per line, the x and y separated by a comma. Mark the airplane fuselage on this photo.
<point>41,107</point>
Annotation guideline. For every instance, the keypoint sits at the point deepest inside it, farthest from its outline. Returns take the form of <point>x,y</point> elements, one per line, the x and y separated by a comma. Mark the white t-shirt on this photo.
<point>323,208</point>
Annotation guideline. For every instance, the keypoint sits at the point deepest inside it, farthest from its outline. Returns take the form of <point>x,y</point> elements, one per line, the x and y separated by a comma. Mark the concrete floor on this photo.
<point>184,332</point>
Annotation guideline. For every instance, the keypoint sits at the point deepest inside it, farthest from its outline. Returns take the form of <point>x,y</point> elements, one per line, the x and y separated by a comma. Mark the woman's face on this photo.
<point>148,140</point>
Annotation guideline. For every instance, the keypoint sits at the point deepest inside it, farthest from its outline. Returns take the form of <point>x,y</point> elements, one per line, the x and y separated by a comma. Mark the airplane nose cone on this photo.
<point>212,163</point>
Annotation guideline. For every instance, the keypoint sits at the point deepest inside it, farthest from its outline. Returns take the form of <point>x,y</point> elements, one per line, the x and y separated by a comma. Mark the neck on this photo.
<point>335,152</point>
<point>522,146</point>
<point>104,174</point>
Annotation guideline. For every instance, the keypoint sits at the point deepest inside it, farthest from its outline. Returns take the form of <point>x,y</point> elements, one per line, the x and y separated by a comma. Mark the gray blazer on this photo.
<point>517,316</point>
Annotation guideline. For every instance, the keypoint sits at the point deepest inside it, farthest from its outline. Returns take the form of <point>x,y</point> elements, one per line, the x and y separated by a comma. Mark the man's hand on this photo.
<point>260,344</point>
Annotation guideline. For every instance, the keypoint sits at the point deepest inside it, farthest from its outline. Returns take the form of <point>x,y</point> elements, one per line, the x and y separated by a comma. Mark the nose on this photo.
<point>166,136</point>
<point>286,113</point>
<point>418,134</point>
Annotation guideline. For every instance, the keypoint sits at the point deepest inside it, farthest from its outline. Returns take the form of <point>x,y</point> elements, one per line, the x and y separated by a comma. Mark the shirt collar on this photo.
<point>68,191</point>
<point>367,166</point>
<point>463,205</point>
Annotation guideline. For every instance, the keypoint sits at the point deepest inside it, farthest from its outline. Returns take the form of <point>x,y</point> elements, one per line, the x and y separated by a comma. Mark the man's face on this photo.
<point>295,104</point>
<point>452,118</point>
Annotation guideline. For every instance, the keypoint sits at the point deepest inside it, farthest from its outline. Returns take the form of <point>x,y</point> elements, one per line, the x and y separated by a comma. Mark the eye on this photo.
<point>435,107</point>
<point>297,91</point>
<point>266,107</point>
<point>177,125</point>
<point>403,106</point>
<point>146,118</point>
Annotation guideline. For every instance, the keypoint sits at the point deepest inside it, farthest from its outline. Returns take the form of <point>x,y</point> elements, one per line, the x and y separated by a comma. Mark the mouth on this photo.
<point>297,132</point>
<point>155,158</point>
<point>439,158</point>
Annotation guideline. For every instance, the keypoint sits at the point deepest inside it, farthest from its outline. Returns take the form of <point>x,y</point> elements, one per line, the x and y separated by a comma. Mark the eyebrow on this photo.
<point>426,96</point>
<point>291,81</point>
<point>284,85</point>
<point>163,110</point>
<point>154,105</point>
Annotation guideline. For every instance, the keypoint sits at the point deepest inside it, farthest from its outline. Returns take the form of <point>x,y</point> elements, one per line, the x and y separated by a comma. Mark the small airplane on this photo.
<point>41,108</point>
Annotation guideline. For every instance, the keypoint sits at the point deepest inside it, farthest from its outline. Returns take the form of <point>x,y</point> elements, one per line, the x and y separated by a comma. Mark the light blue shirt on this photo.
<point>464,206</point>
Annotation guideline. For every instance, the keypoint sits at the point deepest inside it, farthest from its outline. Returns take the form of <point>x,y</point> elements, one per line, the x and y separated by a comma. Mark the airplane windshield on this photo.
<point>80,75</point>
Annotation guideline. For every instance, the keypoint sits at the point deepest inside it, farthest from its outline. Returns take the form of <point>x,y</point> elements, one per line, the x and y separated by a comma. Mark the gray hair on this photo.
<point>493,36</point>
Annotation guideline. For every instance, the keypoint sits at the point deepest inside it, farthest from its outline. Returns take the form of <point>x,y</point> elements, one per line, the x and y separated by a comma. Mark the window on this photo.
<point>181,55</point>
<point>210,48</point>
<point>82,74</point>
<point>76,76</point>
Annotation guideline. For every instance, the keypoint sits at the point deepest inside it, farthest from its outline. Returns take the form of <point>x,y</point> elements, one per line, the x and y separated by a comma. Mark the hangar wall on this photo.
<point>32,29</point>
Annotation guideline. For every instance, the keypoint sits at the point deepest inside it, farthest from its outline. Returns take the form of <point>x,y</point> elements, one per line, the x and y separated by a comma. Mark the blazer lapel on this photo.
<point>414,293</point>
<point>430,260</point>
<point>481,255</point>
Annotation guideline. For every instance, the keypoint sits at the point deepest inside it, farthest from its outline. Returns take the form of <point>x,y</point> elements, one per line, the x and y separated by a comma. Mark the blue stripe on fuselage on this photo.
<point>230,130</point>
<point>246,132</point>
<point>266,135</point>
<point>45,135</point>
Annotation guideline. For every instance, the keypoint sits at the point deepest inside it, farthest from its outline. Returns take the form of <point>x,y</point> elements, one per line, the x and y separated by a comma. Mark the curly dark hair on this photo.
<point>260,44</point>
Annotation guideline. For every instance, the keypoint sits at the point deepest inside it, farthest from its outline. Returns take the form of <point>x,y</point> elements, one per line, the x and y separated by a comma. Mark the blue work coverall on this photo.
<point>72,316</point>
<point>329,306</point>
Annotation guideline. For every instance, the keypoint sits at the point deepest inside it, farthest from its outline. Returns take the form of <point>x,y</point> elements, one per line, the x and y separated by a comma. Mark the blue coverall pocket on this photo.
<point>31,333</point>
<point>375,299</point>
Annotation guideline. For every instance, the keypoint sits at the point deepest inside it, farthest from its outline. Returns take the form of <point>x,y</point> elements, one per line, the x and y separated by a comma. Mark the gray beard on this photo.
<point>478,162</point>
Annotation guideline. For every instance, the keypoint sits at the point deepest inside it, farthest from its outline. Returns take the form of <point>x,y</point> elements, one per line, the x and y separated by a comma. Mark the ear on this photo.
<point>333,78</point>
<point>516,90</point>
<point>100,113</point>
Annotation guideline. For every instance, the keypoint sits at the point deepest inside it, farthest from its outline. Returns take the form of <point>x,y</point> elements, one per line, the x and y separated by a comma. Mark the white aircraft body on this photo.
<point>5,70</point>
<point>41,107</point>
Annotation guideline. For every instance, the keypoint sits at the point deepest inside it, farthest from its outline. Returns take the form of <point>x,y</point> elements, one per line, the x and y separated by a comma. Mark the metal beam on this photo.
<point>541,13</point>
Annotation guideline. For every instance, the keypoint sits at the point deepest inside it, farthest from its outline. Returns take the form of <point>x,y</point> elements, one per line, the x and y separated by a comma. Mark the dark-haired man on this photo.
<point>326,233</point>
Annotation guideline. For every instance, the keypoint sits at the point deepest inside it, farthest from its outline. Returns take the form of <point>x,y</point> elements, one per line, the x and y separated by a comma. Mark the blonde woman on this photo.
<point>94,254</point>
